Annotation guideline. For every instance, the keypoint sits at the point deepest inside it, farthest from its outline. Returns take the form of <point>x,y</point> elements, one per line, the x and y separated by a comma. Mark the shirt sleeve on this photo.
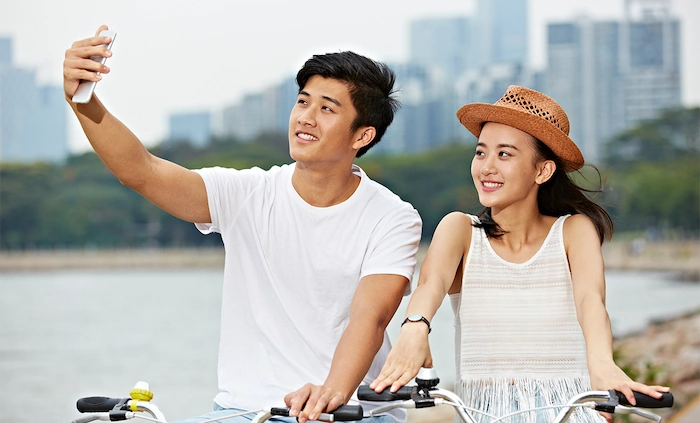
<point>393,249</point>
<point>227,190</point>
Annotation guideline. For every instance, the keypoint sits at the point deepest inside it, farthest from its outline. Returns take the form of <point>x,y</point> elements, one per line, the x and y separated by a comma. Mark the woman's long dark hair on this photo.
<point>558,196</point>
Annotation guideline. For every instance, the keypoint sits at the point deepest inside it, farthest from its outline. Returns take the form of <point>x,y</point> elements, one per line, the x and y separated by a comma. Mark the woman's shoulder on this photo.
<point>455,227</point>
<point>581,229</point>
<point>459,219</point>
<point>578,222</point>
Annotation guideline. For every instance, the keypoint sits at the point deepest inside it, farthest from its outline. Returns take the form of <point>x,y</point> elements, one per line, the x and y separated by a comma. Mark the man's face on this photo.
<point>320,122</point>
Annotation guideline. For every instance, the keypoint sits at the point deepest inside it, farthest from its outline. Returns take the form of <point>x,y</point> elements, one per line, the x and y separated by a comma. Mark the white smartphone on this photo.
<point>84,92</point>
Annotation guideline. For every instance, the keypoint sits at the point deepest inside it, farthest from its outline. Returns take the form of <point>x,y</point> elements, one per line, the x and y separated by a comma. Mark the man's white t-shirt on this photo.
<point>290,274</point>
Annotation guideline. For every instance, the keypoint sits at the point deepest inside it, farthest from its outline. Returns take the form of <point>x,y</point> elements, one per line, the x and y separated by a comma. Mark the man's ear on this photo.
<point>546,171</point>
<point>364,136</point>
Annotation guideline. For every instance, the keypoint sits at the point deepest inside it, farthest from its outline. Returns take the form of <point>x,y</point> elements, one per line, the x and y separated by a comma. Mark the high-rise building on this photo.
<point>5,51</point>
<point>649,60</point>
<point>423,120</point>
<point>257,113</point>
<point>33,118</point>
<point>583,76</point>
<point>610,75</point>
<point>452,61</point>
<point>502,31</point>
<point>444,45</point>
<point>194,128</point>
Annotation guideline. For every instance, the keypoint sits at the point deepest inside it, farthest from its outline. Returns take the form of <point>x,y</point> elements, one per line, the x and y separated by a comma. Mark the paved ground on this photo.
<point>689,414</point>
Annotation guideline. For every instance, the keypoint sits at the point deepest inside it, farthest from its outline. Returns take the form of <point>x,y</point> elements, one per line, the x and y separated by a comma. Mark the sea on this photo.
<point>68,334</point>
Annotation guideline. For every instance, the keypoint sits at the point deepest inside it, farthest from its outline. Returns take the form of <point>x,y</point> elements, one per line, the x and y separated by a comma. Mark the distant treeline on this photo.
<point>651,175</point>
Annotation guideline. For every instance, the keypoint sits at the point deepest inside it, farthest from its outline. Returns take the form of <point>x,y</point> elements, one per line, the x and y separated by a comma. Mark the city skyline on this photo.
<point>144,97</point>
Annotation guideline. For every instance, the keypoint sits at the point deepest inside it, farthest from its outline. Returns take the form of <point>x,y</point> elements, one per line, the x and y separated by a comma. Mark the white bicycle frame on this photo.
<point>425,394</point>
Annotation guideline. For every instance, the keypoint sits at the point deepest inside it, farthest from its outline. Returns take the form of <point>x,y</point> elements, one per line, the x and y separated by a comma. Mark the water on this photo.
<point>69,334</point>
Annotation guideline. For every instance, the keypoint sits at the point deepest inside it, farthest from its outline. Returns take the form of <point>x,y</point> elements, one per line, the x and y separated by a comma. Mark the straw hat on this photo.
<point>531,112</point>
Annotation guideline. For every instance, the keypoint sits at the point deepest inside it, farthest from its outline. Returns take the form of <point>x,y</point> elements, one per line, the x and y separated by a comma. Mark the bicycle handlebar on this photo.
<point>645,401</point>
<point>112,409</point>
<point>344,413</point>
<point>99,404</point>
<point>365,393</point>
<point>428,396</point>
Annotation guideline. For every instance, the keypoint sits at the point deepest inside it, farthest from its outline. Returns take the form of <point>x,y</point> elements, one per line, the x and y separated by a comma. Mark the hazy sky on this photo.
<point>184,55</point>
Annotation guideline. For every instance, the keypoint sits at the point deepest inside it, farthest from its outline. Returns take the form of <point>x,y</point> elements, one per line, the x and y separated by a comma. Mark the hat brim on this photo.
<point>474,115</point>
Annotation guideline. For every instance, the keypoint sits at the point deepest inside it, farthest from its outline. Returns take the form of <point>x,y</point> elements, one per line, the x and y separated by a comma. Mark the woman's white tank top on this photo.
<point>518,341</point>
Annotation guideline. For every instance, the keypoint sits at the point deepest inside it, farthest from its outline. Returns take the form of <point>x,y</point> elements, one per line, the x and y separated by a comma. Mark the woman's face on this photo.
<point>504,167</point>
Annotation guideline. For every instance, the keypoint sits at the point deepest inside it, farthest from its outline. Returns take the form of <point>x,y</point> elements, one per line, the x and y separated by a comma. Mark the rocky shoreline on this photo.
<point>666,353</point>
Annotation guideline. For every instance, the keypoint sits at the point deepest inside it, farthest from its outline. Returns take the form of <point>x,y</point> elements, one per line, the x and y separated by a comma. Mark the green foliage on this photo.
<point>435,183</point>
<point>655,183</point>
<point>652,181</point>
<point>673,135</point>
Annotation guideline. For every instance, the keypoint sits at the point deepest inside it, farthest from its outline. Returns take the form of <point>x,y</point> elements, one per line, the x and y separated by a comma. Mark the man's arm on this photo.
<point>178,191</point>
<point>373,305</point>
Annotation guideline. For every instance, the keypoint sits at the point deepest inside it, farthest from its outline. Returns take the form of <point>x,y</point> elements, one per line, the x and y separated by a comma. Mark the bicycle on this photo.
<point>426,394</point>
<point>139,402</point>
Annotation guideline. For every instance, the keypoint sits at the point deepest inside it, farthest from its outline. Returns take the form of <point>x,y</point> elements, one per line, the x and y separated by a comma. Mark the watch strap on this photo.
<point>414,319</point>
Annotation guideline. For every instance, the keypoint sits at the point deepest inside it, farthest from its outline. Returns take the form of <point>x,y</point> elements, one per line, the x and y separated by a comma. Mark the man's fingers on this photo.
<point>316,404</point>
<point>296,400</point>
<point>100,29</point>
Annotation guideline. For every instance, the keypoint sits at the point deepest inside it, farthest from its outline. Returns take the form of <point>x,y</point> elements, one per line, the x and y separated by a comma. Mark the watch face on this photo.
<point>415,317</point>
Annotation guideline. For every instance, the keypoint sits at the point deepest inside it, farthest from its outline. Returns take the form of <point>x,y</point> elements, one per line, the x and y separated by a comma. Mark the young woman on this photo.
<point>525,276</point>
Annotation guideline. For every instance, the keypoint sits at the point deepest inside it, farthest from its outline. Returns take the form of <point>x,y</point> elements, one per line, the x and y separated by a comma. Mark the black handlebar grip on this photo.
<point>280,411</point>
<point>645,401</point>
<point>344,413</point>
<point>365,393</point>
<point>347,413</point>
<point>98,404</point>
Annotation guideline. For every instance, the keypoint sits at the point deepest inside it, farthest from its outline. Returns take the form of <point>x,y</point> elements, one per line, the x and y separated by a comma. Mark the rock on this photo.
<point>666,353</point>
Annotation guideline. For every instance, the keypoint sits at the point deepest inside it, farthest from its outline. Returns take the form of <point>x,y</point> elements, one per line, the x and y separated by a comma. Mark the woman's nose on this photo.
<point>487,166</point>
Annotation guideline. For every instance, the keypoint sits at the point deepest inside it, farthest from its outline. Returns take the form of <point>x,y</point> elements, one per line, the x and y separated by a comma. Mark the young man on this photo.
<point>318,256</point>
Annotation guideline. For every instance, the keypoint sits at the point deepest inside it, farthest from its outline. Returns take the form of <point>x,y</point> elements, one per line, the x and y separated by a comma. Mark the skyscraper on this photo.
<point>33,118</point>
<point>444,45</point>
<point>502,31</point>
<point>193,128</point>
<point>650,59</point>
<point>610,75</point>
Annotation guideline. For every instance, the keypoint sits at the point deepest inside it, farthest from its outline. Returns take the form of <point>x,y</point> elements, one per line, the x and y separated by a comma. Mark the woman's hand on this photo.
<point>608,375</point>
<point>78,66</point>
<point>410,352</point>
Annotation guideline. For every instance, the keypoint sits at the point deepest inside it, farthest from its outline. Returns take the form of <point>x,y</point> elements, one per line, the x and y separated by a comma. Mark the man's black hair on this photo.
<point>371,86</point>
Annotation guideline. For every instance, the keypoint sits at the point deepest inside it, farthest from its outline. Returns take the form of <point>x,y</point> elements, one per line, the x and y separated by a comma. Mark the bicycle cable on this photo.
<point>232,416</point>
<point>529,410</point>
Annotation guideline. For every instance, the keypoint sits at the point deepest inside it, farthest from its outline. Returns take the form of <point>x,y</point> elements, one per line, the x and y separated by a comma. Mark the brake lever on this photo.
<point>621,409</point>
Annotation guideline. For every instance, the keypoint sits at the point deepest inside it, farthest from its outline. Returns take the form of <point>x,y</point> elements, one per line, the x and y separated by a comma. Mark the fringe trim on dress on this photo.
<point>501,396</point>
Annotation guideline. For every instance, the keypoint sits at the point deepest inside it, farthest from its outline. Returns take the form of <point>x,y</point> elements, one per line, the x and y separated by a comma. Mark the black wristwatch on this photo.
<point>417,318</point>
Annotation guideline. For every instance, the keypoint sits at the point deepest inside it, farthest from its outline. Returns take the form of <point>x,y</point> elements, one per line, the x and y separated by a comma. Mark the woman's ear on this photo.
<point>546,171</point>
<point>364,136</point>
